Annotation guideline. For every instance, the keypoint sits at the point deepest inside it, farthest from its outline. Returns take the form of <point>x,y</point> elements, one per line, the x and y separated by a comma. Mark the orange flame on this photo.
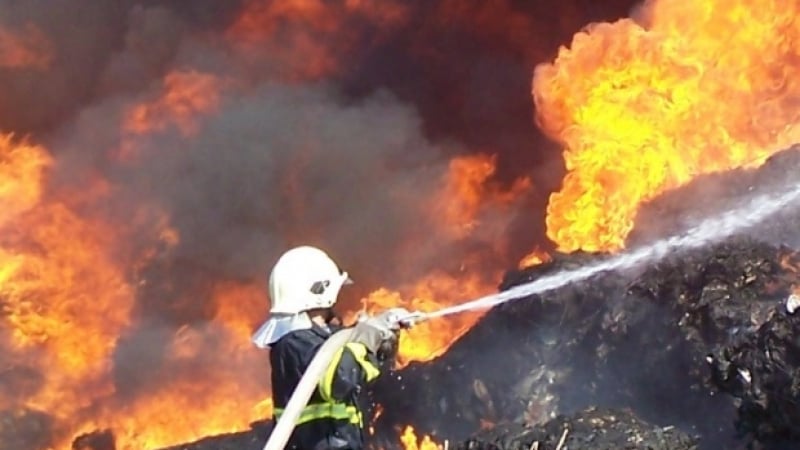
<point>57,279</point>
<point>411,442</point>
<point>183,99</point>
<point>534,258</point>
<point>435,291</point>
<point>67,298</point>
<point>185,96</point>
<point>22,168</point>
<point>644,106</point>
<point>26,48</point>
<point>222,399</point>
<point>467,197</point>
<point>468,190</point>
<point>306,39</point>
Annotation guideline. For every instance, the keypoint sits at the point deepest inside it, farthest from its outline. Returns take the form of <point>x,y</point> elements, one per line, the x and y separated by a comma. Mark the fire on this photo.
<point>57,279</point>
<point>466,201</point>
<point>534,258</point>
<point>467,191</point>
<point>223,399</point>
<point>22,168</point>
<point>643,106</point>
<point>185,96</point>
<point>411,442</point>
<point>435,291</point>
<point>25,48</point>
<point>240,308</point>
<point>68,296</point>
<point>306,39</point>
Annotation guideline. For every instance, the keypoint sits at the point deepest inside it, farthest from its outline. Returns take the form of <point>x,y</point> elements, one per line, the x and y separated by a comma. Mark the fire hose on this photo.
<point>315,371</point>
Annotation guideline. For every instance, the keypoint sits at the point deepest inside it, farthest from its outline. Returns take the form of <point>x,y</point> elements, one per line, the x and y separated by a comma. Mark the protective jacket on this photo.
<point>333,419</point>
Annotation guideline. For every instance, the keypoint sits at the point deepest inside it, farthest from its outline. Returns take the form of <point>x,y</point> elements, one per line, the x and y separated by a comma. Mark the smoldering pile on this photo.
<point>702,341</point>
<point>644,345</point>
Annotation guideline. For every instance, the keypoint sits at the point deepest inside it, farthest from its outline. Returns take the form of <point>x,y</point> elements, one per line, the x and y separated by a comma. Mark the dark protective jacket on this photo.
<point>333,419</point>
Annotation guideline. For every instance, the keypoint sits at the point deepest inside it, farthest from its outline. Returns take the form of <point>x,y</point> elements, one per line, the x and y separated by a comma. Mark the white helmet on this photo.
<point>304,278</point>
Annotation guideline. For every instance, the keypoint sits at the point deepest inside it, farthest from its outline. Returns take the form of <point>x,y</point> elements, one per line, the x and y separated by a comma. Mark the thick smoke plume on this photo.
<point>193,143</point>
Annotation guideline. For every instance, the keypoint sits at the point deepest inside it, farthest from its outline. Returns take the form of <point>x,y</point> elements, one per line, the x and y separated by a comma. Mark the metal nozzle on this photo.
<point>412,319</point>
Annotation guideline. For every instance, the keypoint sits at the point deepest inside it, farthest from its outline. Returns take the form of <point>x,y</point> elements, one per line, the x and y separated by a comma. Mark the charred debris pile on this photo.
<point>698,351</point>
<point>701,343</point>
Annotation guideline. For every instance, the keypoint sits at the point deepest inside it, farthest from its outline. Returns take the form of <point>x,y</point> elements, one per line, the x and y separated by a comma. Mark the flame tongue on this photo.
<point>57,281</point>
<point>702,86</point>
<point>21,171</point>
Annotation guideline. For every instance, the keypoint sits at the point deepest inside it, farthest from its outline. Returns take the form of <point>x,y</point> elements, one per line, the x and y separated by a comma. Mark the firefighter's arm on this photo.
<point>352,367</point>
<point>357,362</point>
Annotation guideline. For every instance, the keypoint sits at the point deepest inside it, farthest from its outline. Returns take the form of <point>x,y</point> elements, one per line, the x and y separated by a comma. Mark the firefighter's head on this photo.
<point>304,279</point>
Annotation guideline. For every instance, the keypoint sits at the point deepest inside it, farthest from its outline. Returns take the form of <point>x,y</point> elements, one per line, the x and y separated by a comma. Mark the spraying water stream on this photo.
<point>709,230</point>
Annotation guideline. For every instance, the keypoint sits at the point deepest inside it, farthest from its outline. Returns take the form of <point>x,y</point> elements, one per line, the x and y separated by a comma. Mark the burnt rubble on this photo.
<point>644,342</point>
<point>701,340</point>
<point>697,350</point>
<point>97,440</point>
<point>594,429</point>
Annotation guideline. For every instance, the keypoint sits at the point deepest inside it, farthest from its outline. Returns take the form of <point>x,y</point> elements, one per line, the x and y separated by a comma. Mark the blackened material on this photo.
<point>591,429</point>
<point>253,439</point>
<point>97,440</point>
<point>762,369</point>
<point>638,341</point>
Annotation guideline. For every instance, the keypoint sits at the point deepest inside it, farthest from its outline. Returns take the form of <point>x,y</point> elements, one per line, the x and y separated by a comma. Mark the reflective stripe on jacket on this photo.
<point>338,411</point>
<point>333,418</point>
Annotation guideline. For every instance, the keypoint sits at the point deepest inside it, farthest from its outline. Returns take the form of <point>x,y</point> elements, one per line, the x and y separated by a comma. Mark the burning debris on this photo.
<point>172,149</point>
<point>640,343</point>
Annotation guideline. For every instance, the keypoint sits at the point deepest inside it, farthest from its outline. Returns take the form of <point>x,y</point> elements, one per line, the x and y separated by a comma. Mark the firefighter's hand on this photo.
<point>393,318</point>
<point>373,332</point>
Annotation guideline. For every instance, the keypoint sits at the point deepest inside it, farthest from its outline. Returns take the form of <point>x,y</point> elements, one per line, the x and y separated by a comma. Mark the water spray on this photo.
<point>709,230</point>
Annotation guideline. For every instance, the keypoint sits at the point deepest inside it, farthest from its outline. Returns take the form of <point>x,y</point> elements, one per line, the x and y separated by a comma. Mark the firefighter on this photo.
<point>303,286</point>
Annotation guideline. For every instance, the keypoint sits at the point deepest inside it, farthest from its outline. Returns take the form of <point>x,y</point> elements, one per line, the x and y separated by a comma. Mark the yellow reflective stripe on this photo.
<point>359,351</point>
<point>325,384</point>
<point>337,411</point>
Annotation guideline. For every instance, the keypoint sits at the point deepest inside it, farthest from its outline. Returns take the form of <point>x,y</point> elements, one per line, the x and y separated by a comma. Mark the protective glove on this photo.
<point>372,332</point>
<point>394,318</point>
<point>380,332</point>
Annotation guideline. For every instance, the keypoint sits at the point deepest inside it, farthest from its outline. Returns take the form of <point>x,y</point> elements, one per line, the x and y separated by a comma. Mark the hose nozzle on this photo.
<point>411,319</point>
<point>397,318</point>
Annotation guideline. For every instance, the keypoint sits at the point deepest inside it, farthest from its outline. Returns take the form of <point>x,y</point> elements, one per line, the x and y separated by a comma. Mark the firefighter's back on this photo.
<point>324,424</point>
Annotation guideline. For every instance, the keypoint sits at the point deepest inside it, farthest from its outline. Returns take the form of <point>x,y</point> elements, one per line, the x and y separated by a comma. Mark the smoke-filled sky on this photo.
<point>199,140</point>
<point>166,153</point>
<point>330,123</point>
